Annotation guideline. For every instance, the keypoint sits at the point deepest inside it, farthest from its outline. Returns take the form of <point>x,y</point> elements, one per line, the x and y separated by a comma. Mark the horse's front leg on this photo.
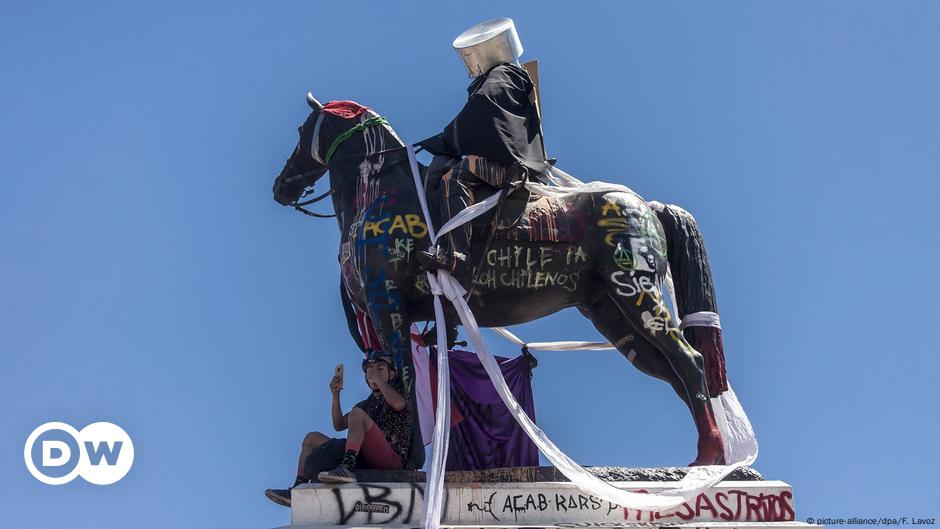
<point>389,315</point>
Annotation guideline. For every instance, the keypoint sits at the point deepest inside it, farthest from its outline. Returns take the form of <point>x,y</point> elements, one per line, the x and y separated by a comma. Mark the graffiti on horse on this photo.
<point>604,253</point>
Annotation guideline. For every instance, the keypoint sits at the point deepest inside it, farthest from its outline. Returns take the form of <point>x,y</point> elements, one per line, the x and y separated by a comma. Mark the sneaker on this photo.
<point>279,496</point>
<point>340,474</point>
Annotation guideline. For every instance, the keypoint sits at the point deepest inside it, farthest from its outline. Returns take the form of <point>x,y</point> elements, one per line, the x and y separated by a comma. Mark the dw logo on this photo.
<point>102,453</point>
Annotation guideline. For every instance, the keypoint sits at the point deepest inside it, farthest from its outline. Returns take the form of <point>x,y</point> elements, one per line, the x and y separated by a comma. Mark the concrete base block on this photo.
<point>752,504</point>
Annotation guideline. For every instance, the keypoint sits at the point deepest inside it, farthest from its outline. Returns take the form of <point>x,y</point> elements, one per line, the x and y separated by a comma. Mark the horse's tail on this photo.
<point>695,291</point>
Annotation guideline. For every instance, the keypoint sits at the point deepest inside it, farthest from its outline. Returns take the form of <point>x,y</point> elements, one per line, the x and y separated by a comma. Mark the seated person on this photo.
<point>379,429</point>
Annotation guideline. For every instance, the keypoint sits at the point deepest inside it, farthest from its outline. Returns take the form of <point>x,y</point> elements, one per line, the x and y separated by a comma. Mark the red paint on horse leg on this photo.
<point>711,450</point>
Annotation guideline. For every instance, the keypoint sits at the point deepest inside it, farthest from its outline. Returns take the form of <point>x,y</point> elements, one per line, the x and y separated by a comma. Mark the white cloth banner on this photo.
<point>736,430</point>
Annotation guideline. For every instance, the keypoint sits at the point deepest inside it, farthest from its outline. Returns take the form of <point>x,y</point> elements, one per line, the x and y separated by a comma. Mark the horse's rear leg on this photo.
<point>641,301</point>
<point>611,322</point>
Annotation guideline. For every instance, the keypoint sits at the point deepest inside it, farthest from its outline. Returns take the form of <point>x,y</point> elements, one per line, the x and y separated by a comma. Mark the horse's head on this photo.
<point>302,169</point>
<point>325,129</point>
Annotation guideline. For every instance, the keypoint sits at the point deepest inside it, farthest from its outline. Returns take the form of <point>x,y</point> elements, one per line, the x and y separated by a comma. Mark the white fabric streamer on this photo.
<point>736,432</point>
<point>434,486</point>
<point>740,444</point>
<point>554,346</point>
<point>315,142</point>
<point>701,319</point>
<point>416,175</point>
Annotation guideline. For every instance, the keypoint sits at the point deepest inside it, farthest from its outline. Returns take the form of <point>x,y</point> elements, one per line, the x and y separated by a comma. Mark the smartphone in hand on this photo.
<point>336,384</point>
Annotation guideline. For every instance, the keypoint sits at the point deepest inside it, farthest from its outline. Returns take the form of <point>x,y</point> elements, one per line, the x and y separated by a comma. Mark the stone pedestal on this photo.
<point>539,497</point>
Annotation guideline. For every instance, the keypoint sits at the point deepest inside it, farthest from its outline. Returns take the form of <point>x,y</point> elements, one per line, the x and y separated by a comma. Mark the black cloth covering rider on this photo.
<point>499,122</point>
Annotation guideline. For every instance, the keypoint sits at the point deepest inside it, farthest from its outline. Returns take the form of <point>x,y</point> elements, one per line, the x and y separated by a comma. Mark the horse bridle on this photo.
<point>328,163</point>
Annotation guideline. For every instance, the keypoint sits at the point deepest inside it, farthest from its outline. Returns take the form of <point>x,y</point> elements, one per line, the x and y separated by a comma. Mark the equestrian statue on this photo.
<point>607,252</point>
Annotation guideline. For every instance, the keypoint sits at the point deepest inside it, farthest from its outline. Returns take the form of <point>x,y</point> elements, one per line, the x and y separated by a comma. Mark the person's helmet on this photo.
<point>488,44</point>
<point>375,357</point>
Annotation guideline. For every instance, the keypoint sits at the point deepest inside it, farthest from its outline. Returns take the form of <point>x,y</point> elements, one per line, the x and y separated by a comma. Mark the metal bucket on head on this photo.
<point>488,44</point>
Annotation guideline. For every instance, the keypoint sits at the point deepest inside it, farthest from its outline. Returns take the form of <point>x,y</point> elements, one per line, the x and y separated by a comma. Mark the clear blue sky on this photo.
<point>147,278</point>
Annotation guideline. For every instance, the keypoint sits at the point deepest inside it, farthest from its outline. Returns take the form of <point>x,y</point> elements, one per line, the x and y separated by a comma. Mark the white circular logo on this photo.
<point>101,453</point>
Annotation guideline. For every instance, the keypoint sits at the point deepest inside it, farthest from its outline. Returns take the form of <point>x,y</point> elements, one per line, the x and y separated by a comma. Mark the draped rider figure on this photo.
<point>494,142</point>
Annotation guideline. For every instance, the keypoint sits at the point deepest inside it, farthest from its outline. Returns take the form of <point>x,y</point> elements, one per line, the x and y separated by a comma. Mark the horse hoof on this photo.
<point>708,459</point>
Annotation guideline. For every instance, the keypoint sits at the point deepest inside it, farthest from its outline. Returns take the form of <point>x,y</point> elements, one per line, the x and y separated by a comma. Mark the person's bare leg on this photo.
<point>311,442</point>
<point>359,422</point>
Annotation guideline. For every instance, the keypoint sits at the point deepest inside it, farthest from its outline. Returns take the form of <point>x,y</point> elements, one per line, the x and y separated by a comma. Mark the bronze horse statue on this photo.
<point>605,253</point>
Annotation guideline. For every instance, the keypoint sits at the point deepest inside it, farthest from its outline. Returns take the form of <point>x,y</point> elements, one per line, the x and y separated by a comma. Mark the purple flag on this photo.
<point>488,435</point>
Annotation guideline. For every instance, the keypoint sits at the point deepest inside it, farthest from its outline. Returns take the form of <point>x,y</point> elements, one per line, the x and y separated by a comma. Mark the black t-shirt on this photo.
<point>396,425</point>
<point>499,121</point>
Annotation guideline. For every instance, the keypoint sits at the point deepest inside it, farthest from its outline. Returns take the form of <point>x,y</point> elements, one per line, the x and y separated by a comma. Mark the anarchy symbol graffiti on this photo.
<point>624,258</point>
